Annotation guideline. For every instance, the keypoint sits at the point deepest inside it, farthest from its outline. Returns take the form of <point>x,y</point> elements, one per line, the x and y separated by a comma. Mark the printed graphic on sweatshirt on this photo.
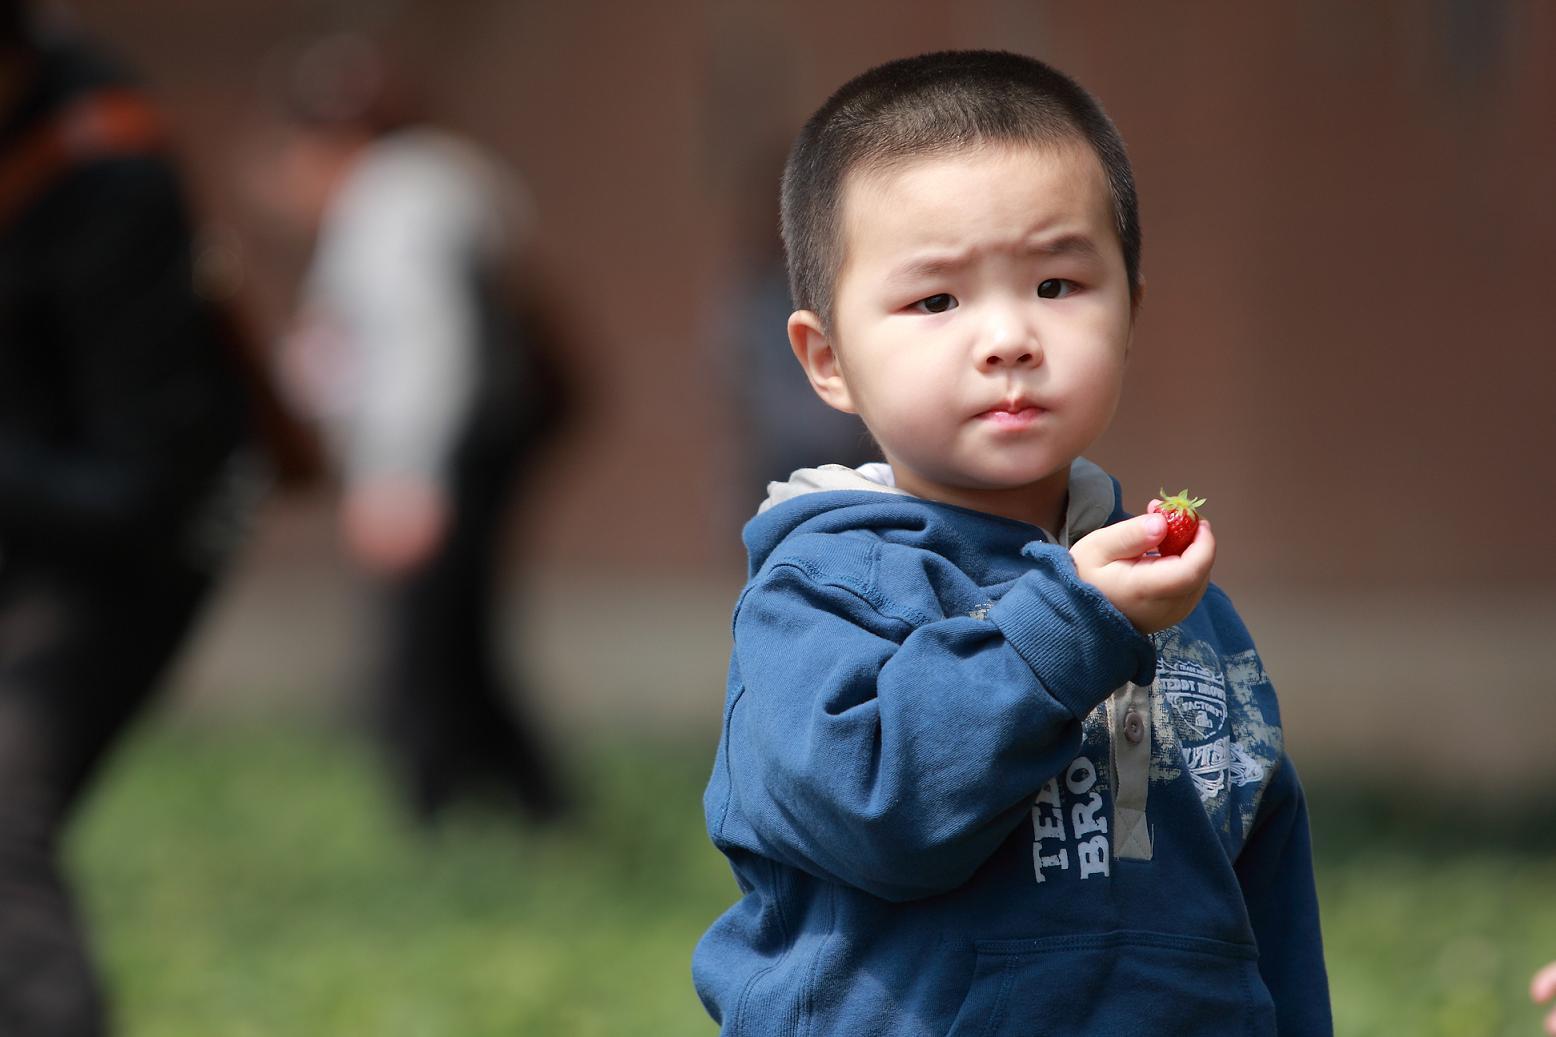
<point>1070,823</point>
<point>1257,743</point>
<point>1210,714</point>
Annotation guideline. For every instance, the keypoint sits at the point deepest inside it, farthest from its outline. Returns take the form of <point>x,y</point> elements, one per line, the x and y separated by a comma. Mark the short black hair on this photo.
<point>932,104</point>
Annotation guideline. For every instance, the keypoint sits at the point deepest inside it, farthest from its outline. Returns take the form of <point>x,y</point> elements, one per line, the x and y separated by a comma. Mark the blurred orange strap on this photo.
<point>103,125</point>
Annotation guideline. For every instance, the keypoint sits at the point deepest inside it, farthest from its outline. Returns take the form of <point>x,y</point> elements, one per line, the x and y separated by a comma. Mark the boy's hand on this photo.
<point>1153,592</point>
<point>1542,989</point>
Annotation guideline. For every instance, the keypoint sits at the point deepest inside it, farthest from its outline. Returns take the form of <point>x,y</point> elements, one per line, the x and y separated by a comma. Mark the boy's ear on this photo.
<point>813,349</point>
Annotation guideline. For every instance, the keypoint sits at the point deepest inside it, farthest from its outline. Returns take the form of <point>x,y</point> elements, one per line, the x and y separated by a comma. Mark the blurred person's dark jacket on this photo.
<point>122,424</point>
<point>119,404</point>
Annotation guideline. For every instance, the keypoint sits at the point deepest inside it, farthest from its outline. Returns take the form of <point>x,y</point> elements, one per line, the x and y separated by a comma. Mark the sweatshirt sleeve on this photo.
<point>1276,873</point>
<point>895,752</point>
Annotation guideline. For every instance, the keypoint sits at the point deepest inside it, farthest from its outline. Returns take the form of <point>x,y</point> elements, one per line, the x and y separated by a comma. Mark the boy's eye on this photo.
<point>1055,288</point>
<point>936,303</point>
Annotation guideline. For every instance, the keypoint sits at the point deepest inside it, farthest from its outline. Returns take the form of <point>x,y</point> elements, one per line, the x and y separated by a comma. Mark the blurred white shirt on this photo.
<point>389,346</point>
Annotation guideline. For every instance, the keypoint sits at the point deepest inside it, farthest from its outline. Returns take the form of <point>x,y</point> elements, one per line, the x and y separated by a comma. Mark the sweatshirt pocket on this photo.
<point>1123,982</point>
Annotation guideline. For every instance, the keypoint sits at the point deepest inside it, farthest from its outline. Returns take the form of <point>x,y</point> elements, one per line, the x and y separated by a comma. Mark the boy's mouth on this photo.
<point>1016,413</point>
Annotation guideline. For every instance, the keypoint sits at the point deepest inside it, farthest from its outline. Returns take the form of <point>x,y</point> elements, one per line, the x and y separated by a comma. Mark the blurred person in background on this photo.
<point>123,419</point>
<point>782,425</point>
<point>433,387</point>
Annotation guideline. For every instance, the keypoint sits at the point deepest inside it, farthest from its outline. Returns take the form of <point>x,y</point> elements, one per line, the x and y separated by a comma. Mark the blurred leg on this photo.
<point>410,672</point>
<point>505,744</point>
<point>76,662</point>
<point>451,725</point>
<point>47,985</point>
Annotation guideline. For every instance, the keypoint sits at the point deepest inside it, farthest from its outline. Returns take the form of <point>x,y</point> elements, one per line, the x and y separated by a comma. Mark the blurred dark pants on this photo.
<point>455,728</point>
<point>80,653</point>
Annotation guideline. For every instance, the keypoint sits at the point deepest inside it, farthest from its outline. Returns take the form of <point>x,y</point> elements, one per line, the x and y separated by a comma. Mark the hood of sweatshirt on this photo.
<point>835,497</point>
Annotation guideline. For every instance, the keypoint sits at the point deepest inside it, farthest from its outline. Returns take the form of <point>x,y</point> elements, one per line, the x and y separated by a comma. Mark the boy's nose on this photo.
<point>1011,347</point>
<point>1015,358</point>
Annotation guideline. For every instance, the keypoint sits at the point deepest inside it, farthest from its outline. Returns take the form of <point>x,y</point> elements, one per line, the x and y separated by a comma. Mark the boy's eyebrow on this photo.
<point>1064,245</point>
<point>930,264</point>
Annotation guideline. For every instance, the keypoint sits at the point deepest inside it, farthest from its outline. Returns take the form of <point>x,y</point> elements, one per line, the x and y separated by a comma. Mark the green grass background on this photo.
<point>255,880</point>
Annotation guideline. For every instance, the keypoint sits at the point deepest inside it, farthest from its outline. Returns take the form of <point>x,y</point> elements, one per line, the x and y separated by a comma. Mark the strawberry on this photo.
<point>1182,514</point>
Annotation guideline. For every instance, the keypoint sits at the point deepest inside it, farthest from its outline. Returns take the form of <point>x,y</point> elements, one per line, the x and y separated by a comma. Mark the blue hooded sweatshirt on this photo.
<point>961,794</point>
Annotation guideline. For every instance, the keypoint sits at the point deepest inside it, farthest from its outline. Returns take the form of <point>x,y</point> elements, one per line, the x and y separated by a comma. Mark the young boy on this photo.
<point>989,765</point>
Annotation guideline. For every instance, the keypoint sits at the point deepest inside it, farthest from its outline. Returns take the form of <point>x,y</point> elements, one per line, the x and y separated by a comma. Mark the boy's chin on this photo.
<point>1012,481</point>
<point>981,483</point>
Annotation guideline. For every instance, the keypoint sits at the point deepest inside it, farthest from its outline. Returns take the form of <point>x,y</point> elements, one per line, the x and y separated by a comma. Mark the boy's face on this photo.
<point>981,322</point>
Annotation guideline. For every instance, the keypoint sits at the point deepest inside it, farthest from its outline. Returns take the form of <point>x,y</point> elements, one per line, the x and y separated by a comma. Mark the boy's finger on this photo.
<point>1171,577</point>
<point>1543,987</point>
<point>1128,539</point>
<point>1202,549</point>
<point>1180,574</point>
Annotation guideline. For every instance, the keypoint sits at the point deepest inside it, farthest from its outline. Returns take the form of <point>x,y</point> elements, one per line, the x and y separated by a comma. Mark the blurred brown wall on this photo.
<point>1348,210</point>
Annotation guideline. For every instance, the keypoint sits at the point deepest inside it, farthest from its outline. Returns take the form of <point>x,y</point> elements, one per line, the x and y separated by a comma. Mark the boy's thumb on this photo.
<point>1130,538</point>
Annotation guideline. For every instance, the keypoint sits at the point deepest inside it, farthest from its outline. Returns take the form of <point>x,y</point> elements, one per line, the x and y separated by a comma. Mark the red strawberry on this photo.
<point>1182,514</point>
